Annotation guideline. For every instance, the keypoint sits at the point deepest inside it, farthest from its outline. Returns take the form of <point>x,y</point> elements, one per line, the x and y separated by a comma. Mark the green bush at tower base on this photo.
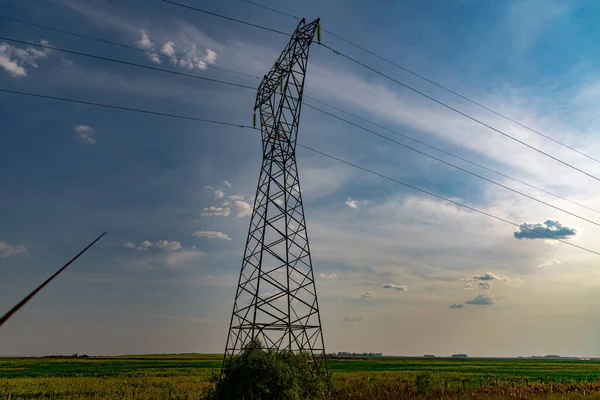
<point>268,375</point>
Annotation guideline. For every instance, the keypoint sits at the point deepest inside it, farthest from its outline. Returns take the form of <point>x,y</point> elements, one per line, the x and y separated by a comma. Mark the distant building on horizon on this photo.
<point>459,356</point>
<point>348,354</point>
<point>429,356</point>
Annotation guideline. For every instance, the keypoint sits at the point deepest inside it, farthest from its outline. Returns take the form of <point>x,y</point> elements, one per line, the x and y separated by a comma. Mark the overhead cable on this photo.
<point>125,46</point>
<point>457,110</point>
<point>450,164</point>
<point>433,83</point>
<point>521,226</point>
<point>132,64</point>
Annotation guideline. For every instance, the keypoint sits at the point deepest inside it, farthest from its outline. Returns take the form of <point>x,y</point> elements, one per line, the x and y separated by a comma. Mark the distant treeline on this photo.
<point>71,356</point>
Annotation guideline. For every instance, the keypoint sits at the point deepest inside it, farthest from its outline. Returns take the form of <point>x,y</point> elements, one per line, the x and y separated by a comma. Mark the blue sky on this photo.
<point>71,172</point>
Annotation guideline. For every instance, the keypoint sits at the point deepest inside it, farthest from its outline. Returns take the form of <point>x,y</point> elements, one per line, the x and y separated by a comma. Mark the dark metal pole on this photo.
<point>26,299</point>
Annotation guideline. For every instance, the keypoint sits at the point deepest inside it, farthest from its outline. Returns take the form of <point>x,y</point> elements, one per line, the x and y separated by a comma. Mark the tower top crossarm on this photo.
<point>279,95</point>
<point>300,40</point>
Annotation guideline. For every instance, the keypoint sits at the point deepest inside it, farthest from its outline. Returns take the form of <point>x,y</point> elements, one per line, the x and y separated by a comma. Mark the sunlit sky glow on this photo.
<point>397,271</point>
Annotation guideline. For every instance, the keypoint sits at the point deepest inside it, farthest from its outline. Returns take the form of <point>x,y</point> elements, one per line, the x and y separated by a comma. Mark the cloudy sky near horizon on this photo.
<point>398,271</point>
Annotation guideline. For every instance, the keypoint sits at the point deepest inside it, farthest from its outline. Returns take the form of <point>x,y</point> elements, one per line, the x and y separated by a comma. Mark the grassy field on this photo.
<point>186,376</point>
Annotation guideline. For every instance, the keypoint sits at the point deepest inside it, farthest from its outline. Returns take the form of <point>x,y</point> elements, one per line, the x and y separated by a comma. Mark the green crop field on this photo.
<point>186,376</point>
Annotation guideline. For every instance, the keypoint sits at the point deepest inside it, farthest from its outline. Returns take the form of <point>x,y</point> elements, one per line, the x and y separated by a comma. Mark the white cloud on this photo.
<point>211,235</point>
<point>328,276</point>
<point>236,197</point>
<point>86,133</point>
<point>165,244</point>
<point>190,57</point>
<point>482,300</point>
<point>485,285</point>
<point>219,194</point>
<point>146,44</point>
<point>367,295</point>
<point>226,183</point>
<point>210,57</point>
<point>241,208</point>
<point>549,263</point>
<point>215,212</point>
<point>351,203</point>
<point>488,276</point>
<point>168,49</point>
<point>14,59</point>
<point>397,287</point>
<point>8,249</point>
<point>161,244</point>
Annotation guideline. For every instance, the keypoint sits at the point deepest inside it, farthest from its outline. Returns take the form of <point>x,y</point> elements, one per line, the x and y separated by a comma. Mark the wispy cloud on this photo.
<point>549,263</point>
<point>215,212</point>
<point>396,287</point>
<point>14,59</point>
<point>8,249</point>
<point>161,244</point>
<point>328,276</point>
<point>482,300</point>
<point>211,235</point>
<point>550,228</point>
<point>457,306</point>
<point>85,133</point>
<point>146,44</point>
<point>367,295</point>
<point>351,203</point>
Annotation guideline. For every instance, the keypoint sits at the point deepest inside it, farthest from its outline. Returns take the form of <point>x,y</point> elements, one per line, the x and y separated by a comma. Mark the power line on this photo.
<point>457,110</point>
<point>410,88</point>
<point>248,87</point>
<point>434,83</point>
<point>122,45</point>
<point>225,17</point>
<point>308,97</point>
<point>271,9</point>
<point>89,103</point>
<point>450,154</point>
<point>444,198</point>
<point>128,63</point>
<point>451,165</point>
<point>306,147</point>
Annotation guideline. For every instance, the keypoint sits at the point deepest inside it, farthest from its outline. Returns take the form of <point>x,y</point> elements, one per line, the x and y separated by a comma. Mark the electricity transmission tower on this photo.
<point>276,298</point>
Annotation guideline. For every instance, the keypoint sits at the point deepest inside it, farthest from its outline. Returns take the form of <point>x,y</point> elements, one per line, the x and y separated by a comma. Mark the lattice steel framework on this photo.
<point>276,298</point>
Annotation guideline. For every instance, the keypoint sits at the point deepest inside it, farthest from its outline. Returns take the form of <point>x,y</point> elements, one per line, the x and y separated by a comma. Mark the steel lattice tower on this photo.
<point>276,298</point>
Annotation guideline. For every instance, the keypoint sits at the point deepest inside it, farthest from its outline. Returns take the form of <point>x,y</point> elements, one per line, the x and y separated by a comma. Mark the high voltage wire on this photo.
<point>443,198</point>
<point>403,85</point>
<point>90,103</point>
<point>433,83</point>
<point>333,116</point>
<point>449,153</point>
<point>307,148</point>
<point>451,165</point>
<point>127,63</point>
<point>326,46</point>
<point>125,46</point>
<point>308,97</point>
<point>457,110</point>
<point>225,17</point>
